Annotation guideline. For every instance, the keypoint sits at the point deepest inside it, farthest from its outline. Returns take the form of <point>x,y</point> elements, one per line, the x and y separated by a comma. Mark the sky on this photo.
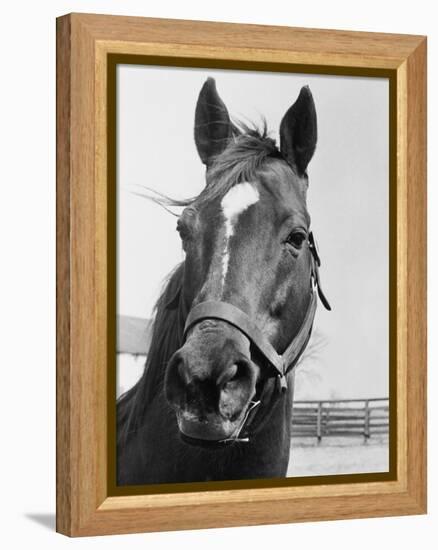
<point>348,202</point>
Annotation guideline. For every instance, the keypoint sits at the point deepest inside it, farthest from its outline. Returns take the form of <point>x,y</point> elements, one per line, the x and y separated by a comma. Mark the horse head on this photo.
<point>249,278</point>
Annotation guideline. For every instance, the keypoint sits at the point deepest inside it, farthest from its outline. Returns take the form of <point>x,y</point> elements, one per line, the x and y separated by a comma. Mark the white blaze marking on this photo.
<point>237,200</point>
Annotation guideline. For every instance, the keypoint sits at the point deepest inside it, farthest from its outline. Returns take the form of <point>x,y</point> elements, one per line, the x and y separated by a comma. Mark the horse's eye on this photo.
<point>296,239</point>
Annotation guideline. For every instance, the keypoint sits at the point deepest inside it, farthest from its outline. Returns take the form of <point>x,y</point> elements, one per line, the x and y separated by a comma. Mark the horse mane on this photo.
<point>166,339</point>
<point>247,152</point>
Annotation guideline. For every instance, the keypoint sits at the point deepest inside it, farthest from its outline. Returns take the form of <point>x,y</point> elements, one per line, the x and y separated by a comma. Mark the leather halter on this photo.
<point>284,363</point>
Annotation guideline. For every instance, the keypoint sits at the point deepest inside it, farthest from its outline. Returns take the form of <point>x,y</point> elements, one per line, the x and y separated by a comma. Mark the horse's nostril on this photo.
<point>239,370</point>
<point>174,382</point>
<point>227,375</point>
<point>236,387</point>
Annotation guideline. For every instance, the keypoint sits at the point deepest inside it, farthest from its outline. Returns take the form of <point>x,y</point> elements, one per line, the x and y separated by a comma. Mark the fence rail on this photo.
<point>343,417</point>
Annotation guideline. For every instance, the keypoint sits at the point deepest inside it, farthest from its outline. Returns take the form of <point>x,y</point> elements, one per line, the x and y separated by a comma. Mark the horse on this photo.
<point>215,399</point>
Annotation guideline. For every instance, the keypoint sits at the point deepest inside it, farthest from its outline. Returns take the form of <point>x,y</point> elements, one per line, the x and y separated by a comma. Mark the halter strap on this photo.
<point>224,311</point>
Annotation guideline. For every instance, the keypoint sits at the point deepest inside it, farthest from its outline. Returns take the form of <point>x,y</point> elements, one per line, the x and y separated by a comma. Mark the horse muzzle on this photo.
<point>211,381</point>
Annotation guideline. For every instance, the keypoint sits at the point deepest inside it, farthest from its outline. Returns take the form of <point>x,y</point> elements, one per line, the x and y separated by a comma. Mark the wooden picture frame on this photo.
<point>85,44</point>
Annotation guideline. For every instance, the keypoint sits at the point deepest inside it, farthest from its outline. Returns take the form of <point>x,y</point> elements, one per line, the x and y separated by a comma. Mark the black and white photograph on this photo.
<point>218,255</point>
<point>252,275</point>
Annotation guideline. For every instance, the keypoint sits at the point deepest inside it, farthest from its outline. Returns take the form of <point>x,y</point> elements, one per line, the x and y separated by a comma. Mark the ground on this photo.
<point>338,456</point>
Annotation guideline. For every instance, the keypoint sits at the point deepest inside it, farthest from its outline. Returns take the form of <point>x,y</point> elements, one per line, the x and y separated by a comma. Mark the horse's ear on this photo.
<point>298,132</point>
<point>213,126</point>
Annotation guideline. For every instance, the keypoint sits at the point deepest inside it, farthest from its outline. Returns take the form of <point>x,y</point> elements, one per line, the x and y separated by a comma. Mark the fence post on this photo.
<point>318,422</point>
<point>367,421</point>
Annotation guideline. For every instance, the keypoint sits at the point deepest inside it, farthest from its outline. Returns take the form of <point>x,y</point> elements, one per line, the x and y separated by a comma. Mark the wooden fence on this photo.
<point>340,418</point>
